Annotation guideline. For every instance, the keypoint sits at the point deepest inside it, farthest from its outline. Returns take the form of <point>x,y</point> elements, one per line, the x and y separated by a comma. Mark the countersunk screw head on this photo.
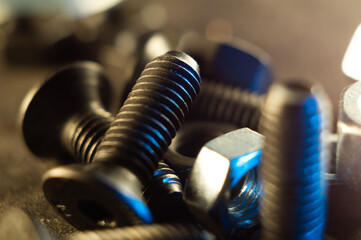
<point>130,150</point>
<point>74,93</point>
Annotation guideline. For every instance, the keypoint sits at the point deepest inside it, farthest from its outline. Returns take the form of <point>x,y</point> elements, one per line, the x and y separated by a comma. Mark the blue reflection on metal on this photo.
<point>137,205</point>
<point>241,165</point>
<point>251,72</point>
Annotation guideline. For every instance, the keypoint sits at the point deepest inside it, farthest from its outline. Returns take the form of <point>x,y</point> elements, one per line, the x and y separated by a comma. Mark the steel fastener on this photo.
<point>67,116</point>
<point>108,192</point>
<point>216,179</point>
<point>237,63</point>
<point>295,121</point>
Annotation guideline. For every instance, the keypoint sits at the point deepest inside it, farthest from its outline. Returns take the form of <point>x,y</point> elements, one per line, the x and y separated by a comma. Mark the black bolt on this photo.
<point>164,196</point>
<point>294,121</point>
<point>219,102</point>
<point>108,192</point>
<point>67,116</point>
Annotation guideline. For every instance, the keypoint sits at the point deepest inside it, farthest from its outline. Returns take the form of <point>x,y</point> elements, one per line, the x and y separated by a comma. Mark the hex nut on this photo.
<point>217,173</point>
<point>238,63</point>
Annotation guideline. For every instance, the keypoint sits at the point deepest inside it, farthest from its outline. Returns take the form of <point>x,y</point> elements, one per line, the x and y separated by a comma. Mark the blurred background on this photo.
<point>304,39</point>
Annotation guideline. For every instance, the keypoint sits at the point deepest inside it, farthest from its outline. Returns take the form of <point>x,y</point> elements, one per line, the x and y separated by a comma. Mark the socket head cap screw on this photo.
<point>217,175</point>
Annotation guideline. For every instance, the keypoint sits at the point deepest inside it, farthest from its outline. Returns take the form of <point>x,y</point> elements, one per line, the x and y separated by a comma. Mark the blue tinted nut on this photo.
<point>222,189</point>
<point>237,63</point>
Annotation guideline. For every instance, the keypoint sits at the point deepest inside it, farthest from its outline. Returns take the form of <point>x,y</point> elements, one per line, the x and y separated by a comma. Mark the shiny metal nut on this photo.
<point>349,133</point>
<point>217,175</point>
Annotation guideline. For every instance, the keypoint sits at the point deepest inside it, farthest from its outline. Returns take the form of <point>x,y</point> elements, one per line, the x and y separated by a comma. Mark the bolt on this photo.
<point>67,116</point>
<point>129,151</point>
<point>218,102</point>
<point>222,189</point>
<point>295,122</point>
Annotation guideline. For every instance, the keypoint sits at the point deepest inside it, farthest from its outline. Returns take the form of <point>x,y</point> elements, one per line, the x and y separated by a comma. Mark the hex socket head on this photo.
<point>349,134</point>
<point>75,89</point>
<point>96,196</point>
<point>217,173</point>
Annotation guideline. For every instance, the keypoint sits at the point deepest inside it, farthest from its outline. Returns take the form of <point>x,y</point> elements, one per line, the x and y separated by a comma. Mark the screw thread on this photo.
<point>151,115</point>
<point>164,182</point>
<point>84,133</point>
<point>228,104</point>
<point>175,231</point>
<point>244,207</point>
<point>293,121</point>
<point>164,196</point>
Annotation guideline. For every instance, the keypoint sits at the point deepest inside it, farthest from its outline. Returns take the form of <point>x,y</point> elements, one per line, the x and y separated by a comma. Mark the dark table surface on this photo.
<point>305,39</point>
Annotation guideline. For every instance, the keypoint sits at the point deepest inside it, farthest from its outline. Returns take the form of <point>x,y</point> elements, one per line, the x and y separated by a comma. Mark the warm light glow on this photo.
<point>351,65</point>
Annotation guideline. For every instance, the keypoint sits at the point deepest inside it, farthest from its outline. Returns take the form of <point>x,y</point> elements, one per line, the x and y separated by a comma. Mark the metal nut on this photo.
<point>216,177</point>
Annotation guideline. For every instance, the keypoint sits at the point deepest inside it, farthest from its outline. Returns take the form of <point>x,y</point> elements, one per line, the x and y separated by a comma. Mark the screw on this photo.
<point>164,196</point>
<point>68,114</point>
<point>295,122</point>
<point>129,151</point>
<point>223,103</point>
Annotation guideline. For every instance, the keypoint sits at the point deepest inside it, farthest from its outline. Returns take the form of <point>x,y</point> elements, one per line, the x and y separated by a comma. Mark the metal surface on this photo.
<point>164,196</point>
<point>223,103</point>
<point>349,134</point>
<point>295,121</point>
<point>130,150</point>
<point>188,141</point>
<point>217,176</point>
<point>68,114</point>
<point>237,63</point>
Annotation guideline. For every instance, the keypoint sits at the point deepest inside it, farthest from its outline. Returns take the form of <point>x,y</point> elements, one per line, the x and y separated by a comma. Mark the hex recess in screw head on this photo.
<point>295,122</point>
<point>108,192</point>
<point>68,114</point>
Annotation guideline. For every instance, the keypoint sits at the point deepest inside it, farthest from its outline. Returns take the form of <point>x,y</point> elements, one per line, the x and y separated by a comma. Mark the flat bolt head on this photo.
<point>96,196</point>
<point>73,90</point>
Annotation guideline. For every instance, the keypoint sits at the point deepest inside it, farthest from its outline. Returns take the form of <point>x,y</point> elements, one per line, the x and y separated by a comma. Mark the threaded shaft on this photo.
<point>151,115</point>
<point>227,104</point>
<point>244,207</point>
<point>84,132</point>
<point>164,196</point>
<point>164,181</point>
<point>178,231</point>
<point>293,201</point>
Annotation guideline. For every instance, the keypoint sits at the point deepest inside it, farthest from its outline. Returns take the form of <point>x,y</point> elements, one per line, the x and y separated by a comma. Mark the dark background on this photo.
<point>304,39</point>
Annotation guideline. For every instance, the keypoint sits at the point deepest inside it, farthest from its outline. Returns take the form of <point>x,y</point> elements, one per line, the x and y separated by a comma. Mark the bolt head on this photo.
<point>75,89</point>
<point>96,196</point>
<point>217,173</point>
